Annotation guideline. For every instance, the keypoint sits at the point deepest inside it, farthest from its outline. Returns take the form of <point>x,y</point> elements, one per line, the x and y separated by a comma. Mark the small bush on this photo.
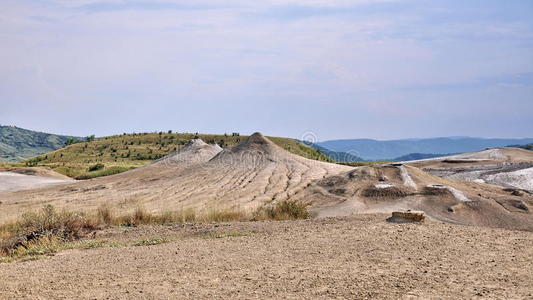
<point>96,167</point>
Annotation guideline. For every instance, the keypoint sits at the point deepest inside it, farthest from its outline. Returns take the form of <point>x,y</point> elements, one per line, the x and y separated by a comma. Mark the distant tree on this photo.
<point>71,141</point>
<point>90,138</point>
<point>170,131</point>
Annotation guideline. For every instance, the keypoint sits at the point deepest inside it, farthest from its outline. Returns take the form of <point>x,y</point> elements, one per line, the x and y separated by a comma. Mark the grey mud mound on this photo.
<point>388,188</point>
<point>199,176</point>
<point>505,167</point>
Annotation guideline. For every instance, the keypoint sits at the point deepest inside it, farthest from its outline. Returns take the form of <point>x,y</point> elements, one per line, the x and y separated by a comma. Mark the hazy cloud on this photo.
<point>339,68</point>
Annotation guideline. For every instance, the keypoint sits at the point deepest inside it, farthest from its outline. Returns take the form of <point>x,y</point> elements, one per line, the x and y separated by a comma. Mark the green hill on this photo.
<point>17,144</point>
<point>115,154</point>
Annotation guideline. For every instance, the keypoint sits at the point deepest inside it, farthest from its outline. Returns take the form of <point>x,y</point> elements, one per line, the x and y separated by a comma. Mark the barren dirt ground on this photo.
<point>10,181</point>
<point>356,257</point>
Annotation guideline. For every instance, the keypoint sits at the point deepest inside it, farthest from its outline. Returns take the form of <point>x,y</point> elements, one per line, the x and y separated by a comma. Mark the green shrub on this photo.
<point>96,167</point>
<point>109,171</point>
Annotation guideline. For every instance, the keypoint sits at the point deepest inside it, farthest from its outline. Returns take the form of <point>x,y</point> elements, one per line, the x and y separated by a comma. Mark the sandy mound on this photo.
<point>198,176</point>
<point>385,188</point>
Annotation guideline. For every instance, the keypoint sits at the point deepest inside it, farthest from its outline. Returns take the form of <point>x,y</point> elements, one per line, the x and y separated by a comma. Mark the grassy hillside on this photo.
<point>115,154</point>
<point>527,147</point>
<point>17,144</point>
<point>335,155</point>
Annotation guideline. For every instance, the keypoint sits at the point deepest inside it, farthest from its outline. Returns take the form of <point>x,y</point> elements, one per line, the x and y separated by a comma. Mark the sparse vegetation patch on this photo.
<point>50,230</point>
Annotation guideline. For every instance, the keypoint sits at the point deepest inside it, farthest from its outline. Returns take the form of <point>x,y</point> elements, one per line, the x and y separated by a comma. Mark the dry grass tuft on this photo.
<point>49,230</point>
<point>224,215</point>
<point>43,228</point>
<point>283,210</point>
<point>105,215</point>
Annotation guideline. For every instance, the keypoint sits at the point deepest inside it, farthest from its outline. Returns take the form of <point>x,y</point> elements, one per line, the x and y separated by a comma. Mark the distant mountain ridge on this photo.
<point>17,144</point>
<point>336,156</point>
<point>417,156</point>
<point>369,149</point>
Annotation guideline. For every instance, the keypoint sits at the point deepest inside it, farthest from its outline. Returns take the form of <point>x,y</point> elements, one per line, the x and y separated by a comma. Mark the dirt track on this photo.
<point>358,257</point>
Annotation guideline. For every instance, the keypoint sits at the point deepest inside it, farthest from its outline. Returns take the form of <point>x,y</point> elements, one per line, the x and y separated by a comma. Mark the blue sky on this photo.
<point>379,69</point>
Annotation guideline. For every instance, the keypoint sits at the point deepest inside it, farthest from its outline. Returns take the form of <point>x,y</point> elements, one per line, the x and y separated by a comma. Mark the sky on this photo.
<point>315,69</point>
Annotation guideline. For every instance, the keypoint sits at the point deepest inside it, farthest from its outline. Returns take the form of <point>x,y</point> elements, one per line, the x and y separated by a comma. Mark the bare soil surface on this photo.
<point>386,188</point>
<point>360,257</point>
<point>36,171</point>
<point>17,181</point>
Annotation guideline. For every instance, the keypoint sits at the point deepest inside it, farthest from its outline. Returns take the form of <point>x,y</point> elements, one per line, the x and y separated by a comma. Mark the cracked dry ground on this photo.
<point>355,257</point>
